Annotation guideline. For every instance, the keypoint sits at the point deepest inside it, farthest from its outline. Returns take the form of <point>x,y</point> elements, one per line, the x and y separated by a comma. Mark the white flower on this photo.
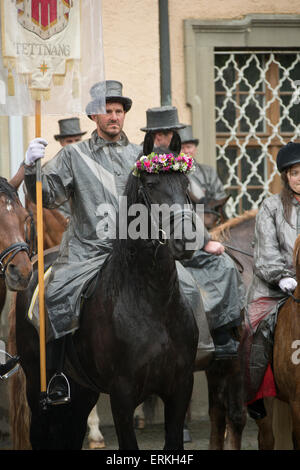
<point>175,166</point>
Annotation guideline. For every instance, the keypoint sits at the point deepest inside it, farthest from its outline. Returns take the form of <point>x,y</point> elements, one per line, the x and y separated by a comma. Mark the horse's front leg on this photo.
<point>95,437</point>
<point>236,410</point>
<point>122,407</point>
<point>176,405</point>
<point>216,407</point>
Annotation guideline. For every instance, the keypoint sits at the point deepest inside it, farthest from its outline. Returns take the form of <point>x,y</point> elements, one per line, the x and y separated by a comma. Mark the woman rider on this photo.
<point>274,276</point>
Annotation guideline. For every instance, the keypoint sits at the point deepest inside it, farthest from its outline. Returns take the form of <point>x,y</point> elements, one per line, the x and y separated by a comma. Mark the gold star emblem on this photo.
<point>43,68</point>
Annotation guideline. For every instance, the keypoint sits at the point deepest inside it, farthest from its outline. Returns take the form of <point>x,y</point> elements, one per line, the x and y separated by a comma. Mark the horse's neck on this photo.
<point>156,264</point>
<point>150,267</point>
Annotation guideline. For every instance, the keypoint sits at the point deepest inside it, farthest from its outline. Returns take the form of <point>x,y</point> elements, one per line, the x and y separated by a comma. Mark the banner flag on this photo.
<point>51,51</point>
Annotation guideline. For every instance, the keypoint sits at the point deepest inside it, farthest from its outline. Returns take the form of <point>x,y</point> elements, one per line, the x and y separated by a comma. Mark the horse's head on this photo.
<point>164,194</point>
<point>15,264</point>
<point>214,213</point>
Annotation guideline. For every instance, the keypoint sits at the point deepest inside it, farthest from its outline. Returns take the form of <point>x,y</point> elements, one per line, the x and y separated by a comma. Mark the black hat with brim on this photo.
<point>69,128</point>
<point>186,136</point>
<point>113,94</point>
<point>162,118</point>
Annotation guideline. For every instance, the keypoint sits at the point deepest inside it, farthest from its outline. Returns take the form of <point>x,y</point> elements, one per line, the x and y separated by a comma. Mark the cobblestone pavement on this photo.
<point>152,437</point>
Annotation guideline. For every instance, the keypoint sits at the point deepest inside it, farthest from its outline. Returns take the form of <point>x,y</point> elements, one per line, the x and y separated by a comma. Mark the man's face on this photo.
<point>70,140</point>
<point>110,125</point>
<point>189,148</point>
<point>163,139</point>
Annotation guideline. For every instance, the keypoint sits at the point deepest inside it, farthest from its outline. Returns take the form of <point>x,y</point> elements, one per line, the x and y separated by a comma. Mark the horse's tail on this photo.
<point>18,407</point>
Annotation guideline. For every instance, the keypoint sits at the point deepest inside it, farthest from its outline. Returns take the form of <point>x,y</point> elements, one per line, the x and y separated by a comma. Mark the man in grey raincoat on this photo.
<point>89,173</point>
<point>214,271</point>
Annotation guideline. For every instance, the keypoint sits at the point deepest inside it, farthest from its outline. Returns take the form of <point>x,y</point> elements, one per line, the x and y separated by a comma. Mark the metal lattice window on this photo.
<point>257,111</point>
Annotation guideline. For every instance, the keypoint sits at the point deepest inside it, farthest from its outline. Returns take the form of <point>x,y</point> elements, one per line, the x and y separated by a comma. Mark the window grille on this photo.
<point>257,96</point>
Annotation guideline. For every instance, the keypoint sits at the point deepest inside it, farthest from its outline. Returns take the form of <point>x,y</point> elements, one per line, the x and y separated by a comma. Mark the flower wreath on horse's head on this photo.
<point>161,163</point>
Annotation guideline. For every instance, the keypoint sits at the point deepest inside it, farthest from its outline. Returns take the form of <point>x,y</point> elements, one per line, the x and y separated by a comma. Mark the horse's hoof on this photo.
<point>186,435</point>
<point>94,445</point>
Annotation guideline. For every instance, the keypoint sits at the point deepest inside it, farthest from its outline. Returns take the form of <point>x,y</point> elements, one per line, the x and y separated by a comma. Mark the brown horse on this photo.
<point>54,225</point>
<point>286,352</point>
<point>15,265</point>
<point>238,233</point>
<point>224,379</point>
<point>214,213</point>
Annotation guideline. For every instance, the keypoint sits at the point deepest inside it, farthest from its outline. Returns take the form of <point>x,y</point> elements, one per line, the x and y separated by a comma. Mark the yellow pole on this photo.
<point>40,244</point>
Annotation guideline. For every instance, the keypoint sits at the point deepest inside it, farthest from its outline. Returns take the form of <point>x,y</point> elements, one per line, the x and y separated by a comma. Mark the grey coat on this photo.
<point>273,251</point>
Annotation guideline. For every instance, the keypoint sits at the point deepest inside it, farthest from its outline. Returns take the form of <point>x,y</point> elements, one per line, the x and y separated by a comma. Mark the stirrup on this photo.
<point>14,369</point>
<point>60,401</point>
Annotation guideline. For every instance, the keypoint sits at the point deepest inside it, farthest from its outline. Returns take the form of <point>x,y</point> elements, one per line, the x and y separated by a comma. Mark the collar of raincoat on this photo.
<point>296,199</point>
<point>98,142</point>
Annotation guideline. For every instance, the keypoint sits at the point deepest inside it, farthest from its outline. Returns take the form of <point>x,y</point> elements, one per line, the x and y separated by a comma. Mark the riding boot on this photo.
<point>10,367</point>
<point>226,347</point>
<point>58,387</point>
<point>256,410</point>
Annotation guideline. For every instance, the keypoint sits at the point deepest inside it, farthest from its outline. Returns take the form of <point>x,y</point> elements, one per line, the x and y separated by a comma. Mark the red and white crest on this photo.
<point>44,17</point>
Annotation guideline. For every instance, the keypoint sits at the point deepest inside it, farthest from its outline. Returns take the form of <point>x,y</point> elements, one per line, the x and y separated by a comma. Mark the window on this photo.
<point>240,77</point>
<point>256,113</point>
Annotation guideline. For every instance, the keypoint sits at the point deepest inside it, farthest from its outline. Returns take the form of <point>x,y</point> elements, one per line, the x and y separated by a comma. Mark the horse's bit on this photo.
<point>11,250</point>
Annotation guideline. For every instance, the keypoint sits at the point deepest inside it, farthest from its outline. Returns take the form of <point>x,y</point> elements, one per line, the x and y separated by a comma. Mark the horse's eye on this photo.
<point>150,185</point>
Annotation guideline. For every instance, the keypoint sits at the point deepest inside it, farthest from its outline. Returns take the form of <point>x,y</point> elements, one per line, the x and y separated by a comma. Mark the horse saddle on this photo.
<point>33,311</point>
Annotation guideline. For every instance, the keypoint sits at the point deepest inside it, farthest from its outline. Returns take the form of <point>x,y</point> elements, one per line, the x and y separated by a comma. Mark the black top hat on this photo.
<point>186,135</point>
<point>69,127</point>
<point>113,92</point>
<point>163,118</point>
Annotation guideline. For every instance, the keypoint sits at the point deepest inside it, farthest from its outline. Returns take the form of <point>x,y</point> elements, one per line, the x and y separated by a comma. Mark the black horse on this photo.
<point>137,334</point>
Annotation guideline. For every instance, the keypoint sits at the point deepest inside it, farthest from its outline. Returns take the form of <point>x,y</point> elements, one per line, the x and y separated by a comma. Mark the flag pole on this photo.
<point>40,245</point>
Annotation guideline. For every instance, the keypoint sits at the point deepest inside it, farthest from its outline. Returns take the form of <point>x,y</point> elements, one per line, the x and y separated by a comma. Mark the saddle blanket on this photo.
<point>33,311</point>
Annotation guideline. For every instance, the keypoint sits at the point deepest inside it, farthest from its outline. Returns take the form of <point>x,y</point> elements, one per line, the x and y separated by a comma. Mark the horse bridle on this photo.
<point>12,250</point>
<point>15,248</point>
<point>147,201</point>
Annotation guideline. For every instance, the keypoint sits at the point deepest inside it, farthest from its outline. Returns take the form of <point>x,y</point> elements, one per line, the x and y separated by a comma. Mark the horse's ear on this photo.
<point>175,144</point>
<point>148,143</point>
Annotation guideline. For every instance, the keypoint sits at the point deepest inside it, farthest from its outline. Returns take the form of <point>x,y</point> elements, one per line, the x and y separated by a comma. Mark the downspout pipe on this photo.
<point>165,63</point>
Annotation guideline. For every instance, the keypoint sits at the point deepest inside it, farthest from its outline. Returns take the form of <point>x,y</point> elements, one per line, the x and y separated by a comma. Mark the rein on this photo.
<point>238,249</point>
<point>12,250</point>
<point>293,297</point>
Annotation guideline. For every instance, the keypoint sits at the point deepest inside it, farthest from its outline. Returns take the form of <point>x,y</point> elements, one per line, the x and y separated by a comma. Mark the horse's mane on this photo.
<point>8,189</point>
<point>221,232</point>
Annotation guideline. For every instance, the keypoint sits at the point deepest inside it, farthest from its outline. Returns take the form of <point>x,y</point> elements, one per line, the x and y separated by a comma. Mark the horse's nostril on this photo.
<point>13,271</point>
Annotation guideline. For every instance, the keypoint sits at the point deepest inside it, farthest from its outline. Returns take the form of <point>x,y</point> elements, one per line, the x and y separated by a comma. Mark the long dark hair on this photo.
<point>286,196</point>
